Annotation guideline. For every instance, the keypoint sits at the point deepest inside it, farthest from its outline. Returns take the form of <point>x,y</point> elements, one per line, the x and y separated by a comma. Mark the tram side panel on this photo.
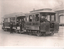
<point>54,26</point>
<point>6,24</point>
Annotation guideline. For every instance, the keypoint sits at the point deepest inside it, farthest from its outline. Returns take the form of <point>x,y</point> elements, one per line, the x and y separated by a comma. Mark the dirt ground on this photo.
<point>7,39</point>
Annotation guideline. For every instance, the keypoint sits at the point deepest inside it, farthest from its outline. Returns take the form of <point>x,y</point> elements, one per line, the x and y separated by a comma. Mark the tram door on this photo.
<point>21,21</point>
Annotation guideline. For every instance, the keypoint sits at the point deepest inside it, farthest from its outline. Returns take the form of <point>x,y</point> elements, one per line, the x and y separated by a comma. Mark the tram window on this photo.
<point>52,18</point>
<point>30,18</point>
<point>37,17</point>
<point>6,19</point>
<point>27,18</point>
<point>24,19</point>
<point>12,19</point>
<point>48,17</point>
<point>43,16</point>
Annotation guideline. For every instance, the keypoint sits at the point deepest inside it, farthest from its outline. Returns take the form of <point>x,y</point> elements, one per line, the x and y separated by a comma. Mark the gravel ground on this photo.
<point>7,39</point>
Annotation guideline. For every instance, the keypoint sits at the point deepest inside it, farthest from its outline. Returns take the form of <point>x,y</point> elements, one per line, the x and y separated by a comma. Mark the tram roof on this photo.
<point>14,15</point>
<point>46,10</point>
<point>43,12</point>
<point>38,12</point>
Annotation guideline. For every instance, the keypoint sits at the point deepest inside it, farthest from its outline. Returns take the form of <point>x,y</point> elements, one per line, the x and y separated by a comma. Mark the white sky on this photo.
<point>11,6</point>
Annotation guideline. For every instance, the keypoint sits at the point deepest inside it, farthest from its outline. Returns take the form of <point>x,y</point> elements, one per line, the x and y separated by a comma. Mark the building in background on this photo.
<point>60,16</point>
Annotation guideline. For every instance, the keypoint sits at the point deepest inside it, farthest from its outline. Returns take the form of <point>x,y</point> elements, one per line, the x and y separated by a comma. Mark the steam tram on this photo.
<point>38,22</point>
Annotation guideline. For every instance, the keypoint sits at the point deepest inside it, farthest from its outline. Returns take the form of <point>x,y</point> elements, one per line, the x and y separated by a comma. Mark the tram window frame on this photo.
<point>36,17</point>
<point>27,18</point>
<point>12,19</point>
<point>33,18</point>
<point>6,20</point>
<point>30,18</point>
<point>52,17</point>
<point>48,17</point>
<point>24,19</point>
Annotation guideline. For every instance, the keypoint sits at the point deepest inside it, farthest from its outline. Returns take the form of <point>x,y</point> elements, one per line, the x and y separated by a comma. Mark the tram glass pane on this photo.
<point>45,15</point>
<point>37,17</point>
<point>8,19</point>
<point>27,19</point>
<point>20,18</point>
<point>42,15</point>
<point>48,17</point>
<point>52,18</point>
<point>13,19</point>
<point>24,19</point>
<point>5,20</point>
<point>30,18</point>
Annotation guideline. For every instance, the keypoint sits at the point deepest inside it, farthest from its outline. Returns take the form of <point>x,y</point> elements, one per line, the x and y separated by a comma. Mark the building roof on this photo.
<point>59,10</point>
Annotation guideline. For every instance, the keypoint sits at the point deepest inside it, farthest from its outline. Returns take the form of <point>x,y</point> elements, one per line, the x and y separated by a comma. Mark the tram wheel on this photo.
<point>52,33</point>
<point>30,33</point>
<point>44,34</point>
<point>21,32</point>
<point>16,31</point>
<point>38,33</point>
<point>5,29</point>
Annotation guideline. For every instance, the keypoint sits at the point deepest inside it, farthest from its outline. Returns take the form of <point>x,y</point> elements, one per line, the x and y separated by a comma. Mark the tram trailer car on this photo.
<point>15,20</point>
